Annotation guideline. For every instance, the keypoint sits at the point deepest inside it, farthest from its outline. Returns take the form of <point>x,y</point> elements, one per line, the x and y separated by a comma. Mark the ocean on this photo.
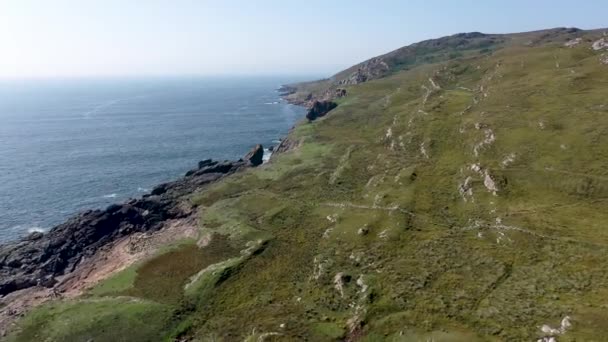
<point>71,145</point>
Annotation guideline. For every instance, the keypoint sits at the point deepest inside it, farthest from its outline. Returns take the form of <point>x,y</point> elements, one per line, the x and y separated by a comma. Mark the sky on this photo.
<point>114,38</point>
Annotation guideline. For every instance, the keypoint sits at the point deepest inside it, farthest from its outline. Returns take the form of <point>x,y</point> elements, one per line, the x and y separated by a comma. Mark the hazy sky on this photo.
<point>62,38</point>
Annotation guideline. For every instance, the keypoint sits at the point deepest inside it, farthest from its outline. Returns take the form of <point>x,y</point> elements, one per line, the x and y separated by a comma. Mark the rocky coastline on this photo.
<point>43,259</point>
<point>75,254</point>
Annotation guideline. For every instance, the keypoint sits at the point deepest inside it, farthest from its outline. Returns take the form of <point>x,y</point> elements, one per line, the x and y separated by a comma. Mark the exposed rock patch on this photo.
<point>551,333</point>
<point>489,183</point>
<point>600,44</point>
<point>508,160</point>
<point>466,189</point>
<point>286,144</point>
<point>371,69</point>
<point>489,138</point>
<point>573,42</point>
<point>423,150</point>
<point>339,283</point>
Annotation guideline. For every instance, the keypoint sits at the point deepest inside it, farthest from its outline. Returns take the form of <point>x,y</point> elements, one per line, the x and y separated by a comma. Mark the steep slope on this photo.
<point>458,200</point>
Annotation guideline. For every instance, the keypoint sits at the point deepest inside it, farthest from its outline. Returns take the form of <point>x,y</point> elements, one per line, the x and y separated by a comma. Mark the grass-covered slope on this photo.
<point>438,50</point>
<point>462,200</point>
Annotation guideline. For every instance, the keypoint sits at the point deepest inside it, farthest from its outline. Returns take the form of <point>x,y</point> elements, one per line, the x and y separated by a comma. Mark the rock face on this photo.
<point>39,258</point>
<point>256,156</point>
<point>319,109</point>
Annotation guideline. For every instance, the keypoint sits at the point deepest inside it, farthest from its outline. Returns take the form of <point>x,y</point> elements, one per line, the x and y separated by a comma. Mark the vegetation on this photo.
<point>458,200</point>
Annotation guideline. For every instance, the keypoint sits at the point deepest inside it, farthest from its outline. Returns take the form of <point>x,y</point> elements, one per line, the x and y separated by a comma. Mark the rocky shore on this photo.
<point>95,244</point>
<point>44,259</point>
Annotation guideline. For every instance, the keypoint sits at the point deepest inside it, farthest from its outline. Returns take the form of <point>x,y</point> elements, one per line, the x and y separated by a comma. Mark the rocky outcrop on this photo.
<point>340,92</point>
<point>255,157</point>
<point>369,70</point>
<point>319,109</point>
<point>40,258</point>
<point>286,144</point>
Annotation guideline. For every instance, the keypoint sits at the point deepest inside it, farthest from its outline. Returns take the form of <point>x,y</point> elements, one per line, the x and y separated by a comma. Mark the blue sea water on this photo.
<point>70,145</point>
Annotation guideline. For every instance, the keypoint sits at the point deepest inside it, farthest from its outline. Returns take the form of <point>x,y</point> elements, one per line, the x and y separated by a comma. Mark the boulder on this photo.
<point>319,109</point>
<point>255,156</point>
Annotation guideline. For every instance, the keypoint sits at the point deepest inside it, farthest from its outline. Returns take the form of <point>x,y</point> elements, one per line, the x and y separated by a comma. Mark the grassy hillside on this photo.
<point>452,199</point>
<point>438,50</point>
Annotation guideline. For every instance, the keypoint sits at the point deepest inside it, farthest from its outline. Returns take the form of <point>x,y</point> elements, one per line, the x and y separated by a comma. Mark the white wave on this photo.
<point>36,229</point>
<point>140,189</point>
<point>266,156</point>
<point>271,103</point>
<point>30,228</point>
<point>110,196</point>
<point>23,230</point>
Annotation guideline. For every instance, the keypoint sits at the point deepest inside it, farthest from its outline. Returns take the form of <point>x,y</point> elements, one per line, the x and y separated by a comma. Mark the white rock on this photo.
<point>489,183</point>
<point>423,151</point>
<point>565,324</point>
<point>383,234</point>
<point>389,133</point>
<point>548,330</point>
<point>338,284</point>
<point>600,44</point>
<point>508,160</point>
<point>363,230</point>
<point>573,42</point>
<point>362,284</point>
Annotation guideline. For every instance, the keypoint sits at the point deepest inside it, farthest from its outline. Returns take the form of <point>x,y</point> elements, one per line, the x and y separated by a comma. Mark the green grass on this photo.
<point>163,278</point>
<point>118,283</point>
<point>102,320</point>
